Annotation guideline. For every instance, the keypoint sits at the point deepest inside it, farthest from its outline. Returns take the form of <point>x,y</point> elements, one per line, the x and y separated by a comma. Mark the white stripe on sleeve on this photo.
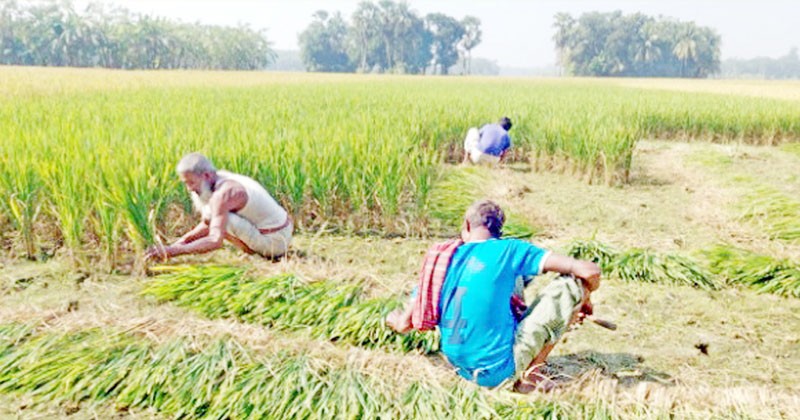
<point>543,260</point>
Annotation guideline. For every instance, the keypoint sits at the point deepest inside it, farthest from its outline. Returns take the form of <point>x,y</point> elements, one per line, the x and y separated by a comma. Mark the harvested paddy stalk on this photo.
<point>775,213</point>
<point>328,310</point>
<point>456,190</point>
<point>643,265</point>
<point>761,272</point>
<point>222,379</point>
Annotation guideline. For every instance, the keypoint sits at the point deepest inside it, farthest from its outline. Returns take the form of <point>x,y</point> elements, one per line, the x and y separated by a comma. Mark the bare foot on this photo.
<point>533,380</point>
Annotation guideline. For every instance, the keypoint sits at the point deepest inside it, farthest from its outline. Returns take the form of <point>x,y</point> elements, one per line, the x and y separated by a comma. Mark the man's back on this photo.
<point>477,325</point>
<point>494,139</point>
<point>261,209</point>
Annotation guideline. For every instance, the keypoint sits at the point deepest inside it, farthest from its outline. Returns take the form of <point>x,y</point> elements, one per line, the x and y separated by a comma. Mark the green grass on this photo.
<point>793,148</point>
<point>766,200</point>
<point>332,311</point>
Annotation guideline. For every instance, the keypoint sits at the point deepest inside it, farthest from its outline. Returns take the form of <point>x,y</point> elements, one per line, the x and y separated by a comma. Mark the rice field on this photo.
<point>685,194</point>
<point>357,154</point>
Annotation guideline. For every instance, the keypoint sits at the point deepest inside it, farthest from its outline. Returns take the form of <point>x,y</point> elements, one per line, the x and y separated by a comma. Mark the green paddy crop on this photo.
<point>91,162</point>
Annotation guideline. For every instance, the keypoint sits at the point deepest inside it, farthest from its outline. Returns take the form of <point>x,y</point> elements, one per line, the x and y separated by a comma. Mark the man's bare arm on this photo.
<point>230,197</point>
<point>196,233</point>
<point>587,271</point>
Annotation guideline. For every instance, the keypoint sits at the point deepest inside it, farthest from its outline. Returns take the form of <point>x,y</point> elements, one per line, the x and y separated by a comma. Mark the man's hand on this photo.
<point>589,272</point>
<point>399,320</point>
<point>158,252</point>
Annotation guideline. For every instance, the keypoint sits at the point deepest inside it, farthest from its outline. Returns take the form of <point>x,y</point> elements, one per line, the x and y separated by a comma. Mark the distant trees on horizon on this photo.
<point>389,37</point>
<point>384,36</point>
<point>54,34</point>
<point>635,45</point>
<point>785,67</point>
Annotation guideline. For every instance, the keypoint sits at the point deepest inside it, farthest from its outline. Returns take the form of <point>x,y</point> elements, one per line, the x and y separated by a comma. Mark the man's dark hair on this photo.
<point>487,213</point>
<point>505,122</point>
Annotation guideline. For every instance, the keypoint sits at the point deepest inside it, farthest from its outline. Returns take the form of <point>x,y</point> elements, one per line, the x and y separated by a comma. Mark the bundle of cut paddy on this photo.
<point>761,272</point>
<point>223,379</point>
<point>643,265</point>
<point>329,310</point>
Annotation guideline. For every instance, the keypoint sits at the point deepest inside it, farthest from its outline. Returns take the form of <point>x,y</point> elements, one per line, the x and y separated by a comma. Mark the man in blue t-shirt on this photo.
<point>480,335</point>
<point>489,144</point>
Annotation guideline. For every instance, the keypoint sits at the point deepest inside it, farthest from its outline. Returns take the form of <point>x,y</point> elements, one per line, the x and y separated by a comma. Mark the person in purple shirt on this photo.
<point>489,144</point>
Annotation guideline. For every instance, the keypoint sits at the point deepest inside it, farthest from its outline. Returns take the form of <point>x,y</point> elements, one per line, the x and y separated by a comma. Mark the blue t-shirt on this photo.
<point>494,140</point>
<point>476,324</point>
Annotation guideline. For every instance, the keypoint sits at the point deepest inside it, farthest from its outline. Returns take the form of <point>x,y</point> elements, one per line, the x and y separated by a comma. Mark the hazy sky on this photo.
<point>516,33</point>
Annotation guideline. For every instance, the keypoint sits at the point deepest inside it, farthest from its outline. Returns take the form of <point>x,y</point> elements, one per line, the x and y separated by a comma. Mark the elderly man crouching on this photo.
<point>233,207</point>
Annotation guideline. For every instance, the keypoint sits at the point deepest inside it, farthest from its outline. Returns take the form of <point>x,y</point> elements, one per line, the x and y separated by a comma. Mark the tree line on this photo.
<point>786,67</point>
<point>53,33</point>
<point>635,45</point>
<point>384,36</point>
<point>389,37</point>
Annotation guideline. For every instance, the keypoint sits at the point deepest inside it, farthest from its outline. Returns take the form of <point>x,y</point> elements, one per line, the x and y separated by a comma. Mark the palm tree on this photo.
<point>647,50</point>
<point>686,48</point>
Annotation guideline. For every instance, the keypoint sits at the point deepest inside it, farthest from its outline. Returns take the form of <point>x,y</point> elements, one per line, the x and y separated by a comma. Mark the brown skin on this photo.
<point>207,236</point>
<point>587,271</point>
<point>503,156</point>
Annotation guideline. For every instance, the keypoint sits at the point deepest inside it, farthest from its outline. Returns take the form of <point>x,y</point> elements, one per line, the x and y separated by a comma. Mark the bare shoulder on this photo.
<point>230,196</point>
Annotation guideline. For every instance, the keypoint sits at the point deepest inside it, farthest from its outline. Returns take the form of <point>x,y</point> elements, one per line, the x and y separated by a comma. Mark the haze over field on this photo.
<point>515,33</point>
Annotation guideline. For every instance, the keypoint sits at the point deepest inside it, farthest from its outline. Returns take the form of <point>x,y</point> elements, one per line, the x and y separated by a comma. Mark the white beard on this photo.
<point>205,193</point>
<point>201,200</point>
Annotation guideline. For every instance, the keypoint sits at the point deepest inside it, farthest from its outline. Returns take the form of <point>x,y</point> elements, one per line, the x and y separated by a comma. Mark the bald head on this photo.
<point>195,163</point>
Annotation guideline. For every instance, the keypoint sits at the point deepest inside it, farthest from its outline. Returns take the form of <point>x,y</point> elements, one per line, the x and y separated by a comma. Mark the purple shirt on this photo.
<point>494,140</point>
